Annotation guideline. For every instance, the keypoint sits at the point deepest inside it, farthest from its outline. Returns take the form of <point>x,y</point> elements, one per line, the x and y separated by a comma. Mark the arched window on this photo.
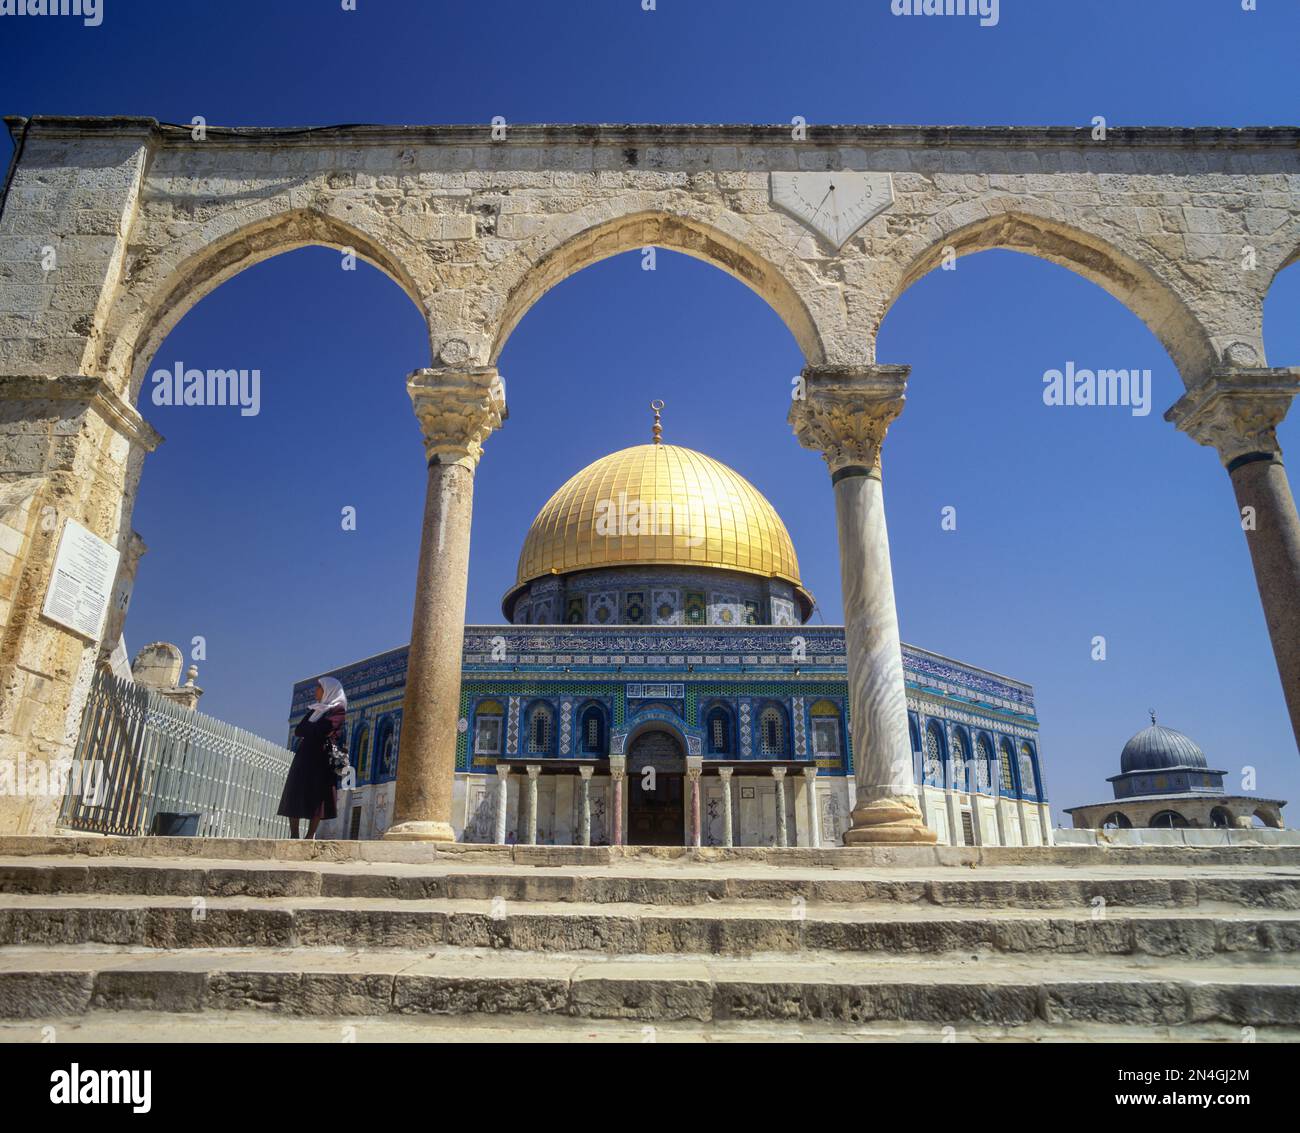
<point>772,731</point>
<point>1220,817</point>
<point>934,754</point>
<point>826,730</point>
<point>1116,820</point>
<point>1005,758</point>
<point>718,726</point>
<point>385,750</point>
<point>985,768</point>
<point>1169,820</point>
<point>1028,772</point>
<point>361,753</point>
<point>541,729</point>
<point>960,760</point>
<point>488,729</point>
<point>591,731</point>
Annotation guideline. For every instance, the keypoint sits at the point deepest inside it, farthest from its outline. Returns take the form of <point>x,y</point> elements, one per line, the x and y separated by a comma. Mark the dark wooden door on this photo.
<point>656,808</point>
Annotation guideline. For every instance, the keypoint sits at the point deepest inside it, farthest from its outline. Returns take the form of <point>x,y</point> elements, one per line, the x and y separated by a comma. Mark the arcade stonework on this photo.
<point>113,228</point>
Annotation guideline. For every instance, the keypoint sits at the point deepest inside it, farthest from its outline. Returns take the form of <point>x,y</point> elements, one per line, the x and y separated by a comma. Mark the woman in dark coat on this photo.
<point>309,789</point>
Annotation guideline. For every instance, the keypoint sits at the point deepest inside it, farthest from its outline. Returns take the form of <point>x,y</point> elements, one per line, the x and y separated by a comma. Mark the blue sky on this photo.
<point>1071,523</point>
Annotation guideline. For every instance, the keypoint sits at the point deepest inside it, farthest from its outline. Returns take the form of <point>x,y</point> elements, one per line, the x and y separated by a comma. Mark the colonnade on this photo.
<point>843,412</point>
<point>618,771</point>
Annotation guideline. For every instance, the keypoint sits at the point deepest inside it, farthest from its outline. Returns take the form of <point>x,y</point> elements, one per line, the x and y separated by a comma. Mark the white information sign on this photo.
<point>84,570</point>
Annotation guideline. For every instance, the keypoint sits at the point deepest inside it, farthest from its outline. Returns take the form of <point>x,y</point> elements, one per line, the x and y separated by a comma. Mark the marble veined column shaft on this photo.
<point>457,411</point>
<point>844,412</point>
<point>1237,412</point>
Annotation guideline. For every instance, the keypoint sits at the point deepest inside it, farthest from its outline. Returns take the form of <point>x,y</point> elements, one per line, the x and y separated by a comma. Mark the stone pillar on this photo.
<point>457,411</point>
<point>585,806</point>
<point>617,772</point>
<point>728,838</point>
<point>814,816</point>
<point>694,765</point>
<point>503,797</point>
<point>782,835</point>
<point>844,412</point>
<point>534,770</point>
<point>1237,412</point>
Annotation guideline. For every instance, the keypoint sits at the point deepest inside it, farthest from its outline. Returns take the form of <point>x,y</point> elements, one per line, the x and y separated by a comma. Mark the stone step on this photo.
<point>733,928</point>
<point>1177,853</point>
<point>119,1027</point>
<point>62,983</point>
<point>1021,887</point>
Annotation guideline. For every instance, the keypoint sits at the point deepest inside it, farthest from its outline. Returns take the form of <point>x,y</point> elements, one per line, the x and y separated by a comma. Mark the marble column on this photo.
<point>728,838</point>
<point>503,796</point>
<point>534,770</point>
<point>1237,412</point>
<point>617,773</point>
<point>585,805</point>
<point>782,834</point>
<point>844,412</point>
<point>814,815</point>
<point>457,411</point>
<point>694,765</point>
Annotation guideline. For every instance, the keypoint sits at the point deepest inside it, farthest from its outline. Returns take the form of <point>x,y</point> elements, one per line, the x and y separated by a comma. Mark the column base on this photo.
<point>896,819</point>
<point>420,832</point>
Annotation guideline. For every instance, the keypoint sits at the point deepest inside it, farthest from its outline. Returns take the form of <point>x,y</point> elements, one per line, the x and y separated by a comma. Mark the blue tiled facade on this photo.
<point>757,694</point>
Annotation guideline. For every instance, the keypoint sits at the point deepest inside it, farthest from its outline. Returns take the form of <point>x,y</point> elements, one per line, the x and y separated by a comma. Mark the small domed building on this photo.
<point>657,683</point>
<point>1166,782</point>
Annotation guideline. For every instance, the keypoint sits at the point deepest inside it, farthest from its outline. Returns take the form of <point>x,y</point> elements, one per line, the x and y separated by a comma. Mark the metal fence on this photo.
<point>155,756</point>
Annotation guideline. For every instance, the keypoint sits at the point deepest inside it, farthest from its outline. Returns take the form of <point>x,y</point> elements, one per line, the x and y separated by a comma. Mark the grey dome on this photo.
<point>1157,748</point>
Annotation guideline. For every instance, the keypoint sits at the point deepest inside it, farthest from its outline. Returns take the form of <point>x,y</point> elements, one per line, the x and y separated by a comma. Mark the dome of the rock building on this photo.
<point>1157,749</point>
<point>658,505</point>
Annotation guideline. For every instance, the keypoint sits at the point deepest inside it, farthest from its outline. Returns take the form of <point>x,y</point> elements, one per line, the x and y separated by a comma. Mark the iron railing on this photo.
<point>155,756</point>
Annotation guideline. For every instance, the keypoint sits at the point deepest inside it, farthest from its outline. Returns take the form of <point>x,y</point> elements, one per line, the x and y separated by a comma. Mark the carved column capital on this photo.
<point>457,410</point>
<point>586,772</point>
<point>1237,411</point>
<point>725,772</point>
<point>844,412</point>
<point>810,773</point>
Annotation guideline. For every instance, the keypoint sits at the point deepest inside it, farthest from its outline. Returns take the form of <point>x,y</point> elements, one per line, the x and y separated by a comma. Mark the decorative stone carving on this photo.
<point>1237,411</point>
<point>834,205</point>
<point>845,411</point>
<point>457,411</point>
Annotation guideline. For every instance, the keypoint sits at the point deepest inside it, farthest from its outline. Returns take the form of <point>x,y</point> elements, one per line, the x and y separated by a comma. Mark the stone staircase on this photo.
<point>187,940</point>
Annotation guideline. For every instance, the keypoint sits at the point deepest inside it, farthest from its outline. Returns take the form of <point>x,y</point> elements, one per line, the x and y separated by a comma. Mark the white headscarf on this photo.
<point>334,697</point>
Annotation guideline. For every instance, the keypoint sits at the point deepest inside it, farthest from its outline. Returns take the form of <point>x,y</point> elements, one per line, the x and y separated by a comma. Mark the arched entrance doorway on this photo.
<point>656,814</point>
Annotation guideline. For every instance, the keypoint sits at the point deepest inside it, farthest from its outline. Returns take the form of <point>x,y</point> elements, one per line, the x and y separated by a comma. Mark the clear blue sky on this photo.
<point>1071,523</point>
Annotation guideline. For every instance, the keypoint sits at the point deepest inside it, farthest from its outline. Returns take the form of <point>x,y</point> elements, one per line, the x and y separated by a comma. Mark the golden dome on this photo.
<point>658,505</point>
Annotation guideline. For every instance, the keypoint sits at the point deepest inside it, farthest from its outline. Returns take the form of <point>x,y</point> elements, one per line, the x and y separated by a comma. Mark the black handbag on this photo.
<point>336,757</point>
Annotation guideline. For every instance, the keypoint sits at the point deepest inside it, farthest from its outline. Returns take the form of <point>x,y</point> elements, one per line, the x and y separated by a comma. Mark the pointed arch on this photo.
<point>1021,227</point>
<point>160,295</point>
<point>723,239</point>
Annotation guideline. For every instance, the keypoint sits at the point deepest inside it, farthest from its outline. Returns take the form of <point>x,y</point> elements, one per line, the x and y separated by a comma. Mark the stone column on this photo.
<point>724,773</point>
<point>457,411</point>
<point>503,797</point>
<point>694,765</point>
<point>782,835</point>
<point>844,412</point>
<point>534,770</point>
<point>585,806</point>
<point>814,816</point>
<point>1237,412</point>
<point>617,772</point>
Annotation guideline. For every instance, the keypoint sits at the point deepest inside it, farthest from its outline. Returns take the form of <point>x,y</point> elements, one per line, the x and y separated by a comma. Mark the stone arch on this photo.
<point>1022,226</point>
<point>155,298</point>
<point>718,237</point>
